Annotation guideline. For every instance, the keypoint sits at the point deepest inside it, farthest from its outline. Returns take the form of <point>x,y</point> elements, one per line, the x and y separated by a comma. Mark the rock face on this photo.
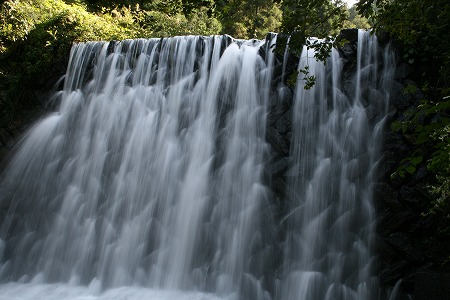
<point>408,242</point>
<point>432,286</point>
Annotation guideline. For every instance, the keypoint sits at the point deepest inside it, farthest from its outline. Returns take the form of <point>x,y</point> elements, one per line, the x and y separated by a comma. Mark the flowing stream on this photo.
<point>148,181</point>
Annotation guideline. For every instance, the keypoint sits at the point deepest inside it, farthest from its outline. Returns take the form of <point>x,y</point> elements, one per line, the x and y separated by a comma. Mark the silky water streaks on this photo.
<point>337,137</point>
<point>150,180</point>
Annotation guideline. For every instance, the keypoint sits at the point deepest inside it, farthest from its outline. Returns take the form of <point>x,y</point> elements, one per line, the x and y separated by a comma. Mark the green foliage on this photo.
<point>197,22</point>
<point>310,80</point>
<point>355,20</point>
<point>440,204</point>
<point>440,190</point>
<point>422,29</point>
<point>249,19</point>
<point>36,37</point>
<point>208,6</point>
<point>427,128</point>
<point>312,18</point>
<point>170,7</point>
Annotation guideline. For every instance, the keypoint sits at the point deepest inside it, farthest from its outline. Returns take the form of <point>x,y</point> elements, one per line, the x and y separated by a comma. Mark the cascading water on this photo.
<point>336,145</point>
<point>149,180</point>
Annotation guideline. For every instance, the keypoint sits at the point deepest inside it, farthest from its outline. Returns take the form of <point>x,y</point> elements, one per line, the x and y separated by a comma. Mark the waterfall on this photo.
<point>336,146</point>
<point>149,180</point>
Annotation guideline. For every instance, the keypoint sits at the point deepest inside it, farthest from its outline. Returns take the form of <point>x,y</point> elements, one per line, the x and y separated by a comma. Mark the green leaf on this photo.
<point>423,137</point>
<point>411,169</point>
<point>396,126</point>
<point>416,160</point>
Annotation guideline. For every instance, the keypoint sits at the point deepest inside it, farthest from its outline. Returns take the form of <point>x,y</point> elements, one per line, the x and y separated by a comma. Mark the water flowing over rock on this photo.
<point>186,168</point>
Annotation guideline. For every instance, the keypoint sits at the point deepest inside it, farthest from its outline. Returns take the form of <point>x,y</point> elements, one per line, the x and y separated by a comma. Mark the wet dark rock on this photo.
<point>351,35</point>
<point>391,274</point>
<point>421,174</point>
<point>432,285</point>
<point>278,186</point>
<point>291,68</point>
<point>415,91</point>
<point>392,221</point>
<point>385,251</point>
<point>275,139</point>
<point>278,166</point>
<point>410,195</point>
<point>393,141</point>
<point>284,123</point>
<point>373,97</point>
<point>348,51</point>
<point>275,114</point>
<point>386,196</point>
<point>402,243</point>
<point>349,87</point>
<point>386,165</point>
<point>285,97</point>
<point>384,38</point>
<point>111,47</point>
<point>400,99</point>
<point>372,113</point>
<point>402,71</point>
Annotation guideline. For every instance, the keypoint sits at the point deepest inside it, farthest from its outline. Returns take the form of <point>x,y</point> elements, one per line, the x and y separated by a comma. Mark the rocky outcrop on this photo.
<point>408,242</point>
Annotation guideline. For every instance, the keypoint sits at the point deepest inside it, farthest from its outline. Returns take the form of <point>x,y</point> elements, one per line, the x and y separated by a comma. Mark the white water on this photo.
<point>336,146</point>
<point>147,182</point>
<point>14,291</point>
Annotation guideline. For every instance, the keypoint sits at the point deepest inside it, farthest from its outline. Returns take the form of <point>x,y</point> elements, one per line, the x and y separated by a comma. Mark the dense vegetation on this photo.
<point>36,35</point>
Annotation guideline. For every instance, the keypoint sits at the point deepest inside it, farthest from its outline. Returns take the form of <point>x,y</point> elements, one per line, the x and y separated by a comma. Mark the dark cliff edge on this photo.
<point>409,244</point>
